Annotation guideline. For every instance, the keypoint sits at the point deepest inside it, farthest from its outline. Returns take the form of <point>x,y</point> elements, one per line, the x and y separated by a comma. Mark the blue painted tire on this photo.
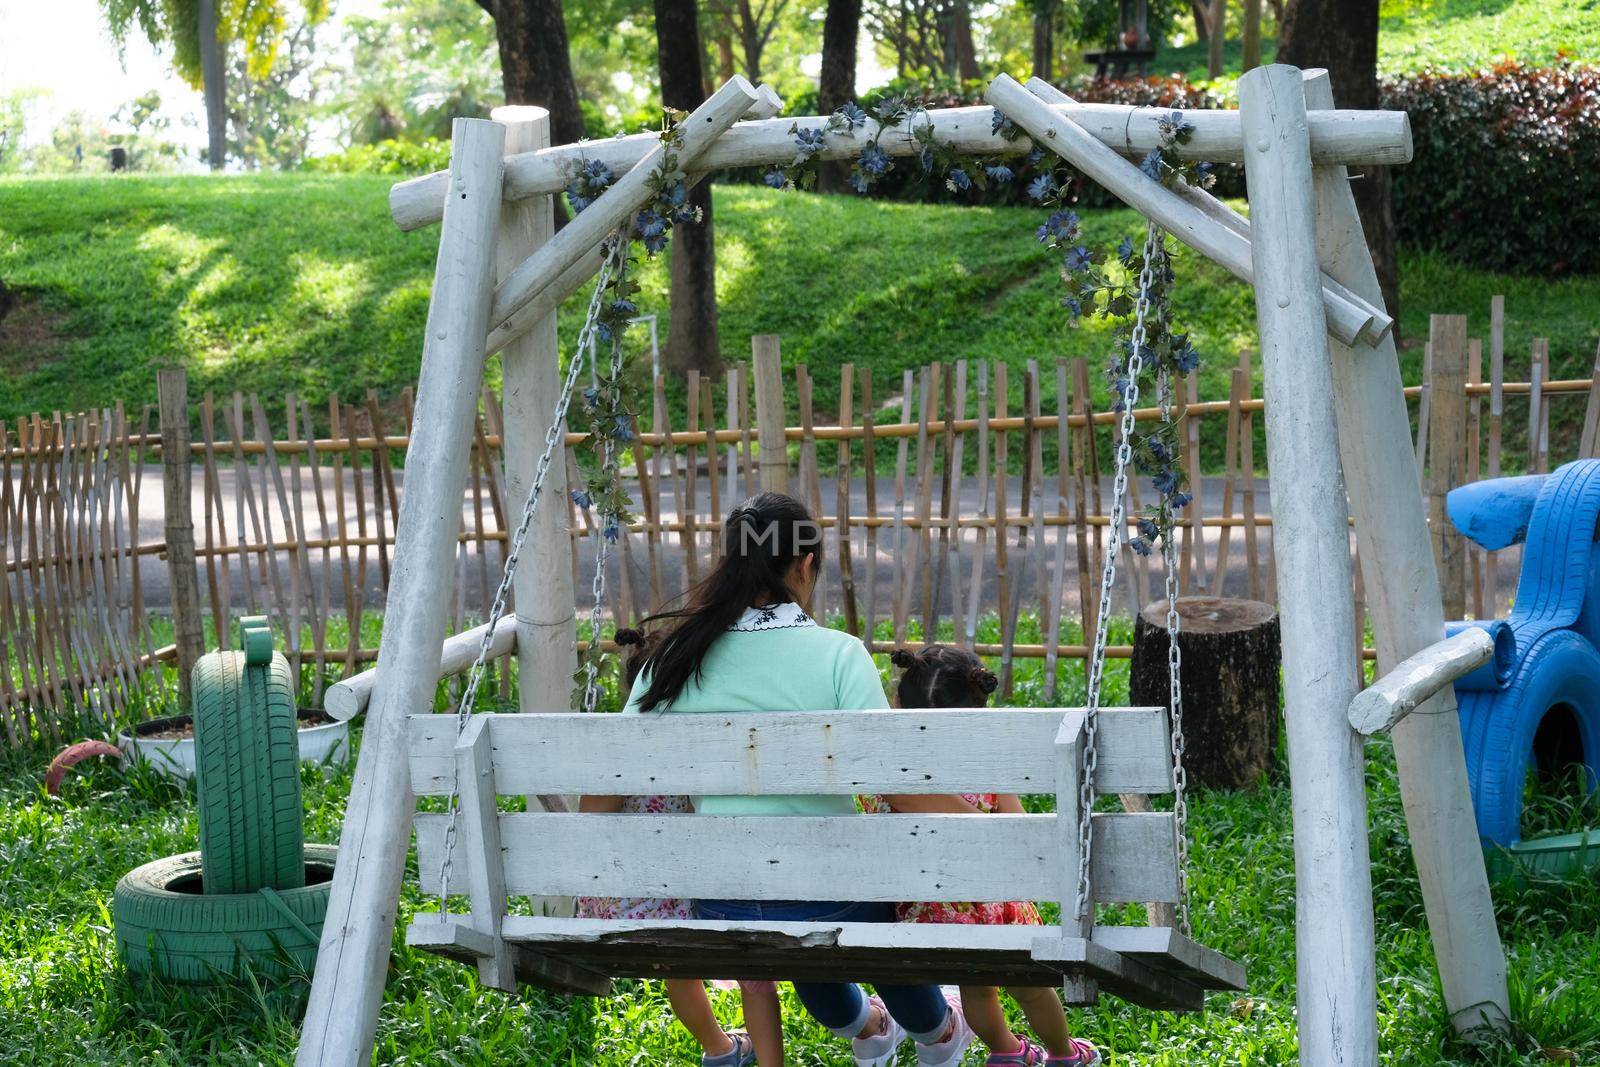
<point>1498,728</point>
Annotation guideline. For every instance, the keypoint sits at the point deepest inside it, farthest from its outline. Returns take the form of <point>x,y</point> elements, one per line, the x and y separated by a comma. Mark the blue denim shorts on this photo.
<point>794,911</point>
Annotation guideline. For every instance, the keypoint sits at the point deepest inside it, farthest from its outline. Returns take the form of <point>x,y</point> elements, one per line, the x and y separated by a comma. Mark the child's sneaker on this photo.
<point>948,1053</point>
<point>879,1049</point>
<point>1029,1055</point>
<point>742,1055</point>
<point>1083,1055</point>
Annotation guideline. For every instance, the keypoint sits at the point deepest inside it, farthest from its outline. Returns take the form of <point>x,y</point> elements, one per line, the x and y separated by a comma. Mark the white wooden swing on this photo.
<point>1301,207</point>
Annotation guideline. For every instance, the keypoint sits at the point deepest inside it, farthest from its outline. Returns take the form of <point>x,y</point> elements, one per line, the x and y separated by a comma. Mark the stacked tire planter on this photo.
<point>255,894</point>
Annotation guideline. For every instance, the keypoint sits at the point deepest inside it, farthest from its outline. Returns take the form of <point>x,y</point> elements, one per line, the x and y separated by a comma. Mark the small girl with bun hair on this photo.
<point>940,676</point>
<point>762,1040</point>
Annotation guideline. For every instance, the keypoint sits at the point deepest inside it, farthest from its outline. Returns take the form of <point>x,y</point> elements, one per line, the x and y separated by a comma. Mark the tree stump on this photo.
<point>1230,683</point>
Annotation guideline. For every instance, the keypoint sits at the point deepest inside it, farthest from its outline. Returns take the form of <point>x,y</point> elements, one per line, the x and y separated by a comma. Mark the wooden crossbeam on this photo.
<point>1353,138</point>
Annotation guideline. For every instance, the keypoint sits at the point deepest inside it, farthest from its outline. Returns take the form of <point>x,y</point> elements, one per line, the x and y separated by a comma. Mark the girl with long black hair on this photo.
<point>744,642</point>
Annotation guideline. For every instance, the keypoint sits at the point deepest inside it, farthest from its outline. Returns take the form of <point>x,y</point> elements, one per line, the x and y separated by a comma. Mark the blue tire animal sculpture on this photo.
<point>1538,701</point>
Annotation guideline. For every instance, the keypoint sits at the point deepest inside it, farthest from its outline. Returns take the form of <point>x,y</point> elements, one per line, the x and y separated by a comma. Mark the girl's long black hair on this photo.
<point>762,540</point>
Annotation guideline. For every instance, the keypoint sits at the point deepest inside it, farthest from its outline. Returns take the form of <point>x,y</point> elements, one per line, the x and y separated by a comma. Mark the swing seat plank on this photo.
<point>883,858</point>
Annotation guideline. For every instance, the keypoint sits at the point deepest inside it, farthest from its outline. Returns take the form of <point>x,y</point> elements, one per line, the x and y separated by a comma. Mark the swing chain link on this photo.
<point>1180,777</point>
<point>615,252</point>
<point>1108,573</point>
<point>608,454</point>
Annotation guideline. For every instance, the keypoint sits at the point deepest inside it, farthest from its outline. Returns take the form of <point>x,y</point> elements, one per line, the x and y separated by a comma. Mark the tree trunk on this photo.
<point>1218,38</point>
<point>1044,45</point>
<point>1231,657</point>
<point>1202,20</point>
<point>1342,35</point>
<point>966,49</point>
<point>836,87</point>
<point>1250,35</point>
<point>214,85</point>
<point>725,56</point>
<point>535,64</point>
<point>692,341</point>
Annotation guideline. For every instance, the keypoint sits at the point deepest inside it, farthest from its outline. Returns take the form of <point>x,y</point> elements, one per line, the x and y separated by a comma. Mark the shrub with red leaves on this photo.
<point>1506,170</point>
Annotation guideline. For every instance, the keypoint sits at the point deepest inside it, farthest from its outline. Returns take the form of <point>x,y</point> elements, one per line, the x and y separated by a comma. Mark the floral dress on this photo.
<point>992,913</point>
<point>641,907</point>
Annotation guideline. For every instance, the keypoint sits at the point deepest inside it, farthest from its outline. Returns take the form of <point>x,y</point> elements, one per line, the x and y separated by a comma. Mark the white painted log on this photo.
<point>813,753</point>
<point>1417,678</point>
<point>614,206</point>
<point>1215,209</point>
<point>1336,990</point>
<point>1351,137</point>
<point>1402,584</point>
<point>341,1017</point>
<point>572,279</point>
<point>796,857</point>
<point>349,697</point>
<point>542,589</point>
<point>1133,187</point>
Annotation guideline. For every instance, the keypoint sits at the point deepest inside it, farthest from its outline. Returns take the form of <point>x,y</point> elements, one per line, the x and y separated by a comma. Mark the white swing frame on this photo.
<point>1336,425</point>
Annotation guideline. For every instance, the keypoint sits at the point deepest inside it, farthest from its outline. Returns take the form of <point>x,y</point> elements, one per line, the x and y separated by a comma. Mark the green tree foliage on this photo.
<point>258,25</point>
<point>270,115</point>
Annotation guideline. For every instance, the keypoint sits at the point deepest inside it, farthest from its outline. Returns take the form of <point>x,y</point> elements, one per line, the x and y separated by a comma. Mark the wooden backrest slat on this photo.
<point>820,753</point>
<point>866,857</point>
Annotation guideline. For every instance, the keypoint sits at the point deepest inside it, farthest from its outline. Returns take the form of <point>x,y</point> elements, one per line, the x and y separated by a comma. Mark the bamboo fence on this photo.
<point>956,496</point>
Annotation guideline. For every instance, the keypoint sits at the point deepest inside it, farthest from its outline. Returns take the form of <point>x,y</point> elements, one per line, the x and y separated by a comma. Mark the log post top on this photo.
<point>1212,614</point>
<point>1347,137</point>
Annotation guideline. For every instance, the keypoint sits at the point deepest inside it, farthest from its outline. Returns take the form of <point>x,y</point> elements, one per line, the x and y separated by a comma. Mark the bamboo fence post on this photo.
<point>1058,576</point>
<point>688,514</point>
<point>216,560</point>
<point>811,480</point>
<point>1497,400</point>
<point>1194,532</point>
<point>1538,412</point>
<point>188,628</point>
<point>922,539</point>
<point>767,360</point>
<point>1474,462</point>
<point>1400,580</point>
<point>1247,468</point>
<point>955,463</point>
<point>325,582</point>
<point>298,551</point>
<point>869,462</point>
<point>1002,570</point>
<point>902,575</point>
<point>318,618</point>
<point>713,485</point>
<point>1588,446</point>
<point>981,534</point>
<point>1237,388</point>
<point>1447,434</point>
<point>949,510</point>
<point>843,531</point>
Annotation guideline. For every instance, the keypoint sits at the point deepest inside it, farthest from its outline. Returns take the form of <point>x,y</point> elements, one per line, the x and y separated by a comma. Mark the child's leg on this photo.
<point>988,1019</point>
<point>1046,1017</point>
<point>763,1021</point>
<point>693,1009</point>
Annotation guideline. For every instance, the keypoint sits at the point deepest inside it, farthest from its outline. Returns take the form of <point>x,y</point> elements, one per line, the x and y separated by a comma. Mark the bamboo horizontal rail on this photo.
<point>1350,137</point>
<point>398,442</point>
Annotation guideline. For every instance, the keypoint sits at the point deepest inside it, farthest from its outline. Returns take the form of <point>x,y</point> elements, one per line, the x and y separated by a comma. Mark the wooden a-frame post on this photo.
<point>353,958</point>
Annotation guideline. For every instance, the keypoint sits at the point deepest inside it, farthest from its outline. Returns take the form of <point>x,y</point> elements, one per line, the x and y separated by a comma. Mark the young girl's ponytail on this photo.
<point>762,539</point>
<point>940,676</point>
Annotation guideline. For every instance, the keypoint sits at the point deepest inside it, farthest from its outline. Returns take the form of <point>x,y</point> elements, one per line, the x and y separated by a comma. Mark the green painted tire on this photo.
<point>165,925</point>
<point>247,772</point>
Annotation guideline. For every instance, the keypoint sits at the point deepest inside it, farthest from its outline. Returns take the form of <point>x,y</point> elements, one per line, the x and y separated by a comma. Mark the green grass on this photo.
<point>63,999</point>
<point>1441,35</point>
<point>300,283</point>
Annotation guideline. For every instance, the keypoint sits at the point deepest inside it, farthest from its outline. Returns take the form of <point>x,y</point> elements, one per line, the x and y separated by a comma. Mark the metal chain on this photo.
<point>616,253</point>
<point>608,463</point>
<point>1180,778</point>
<point>1108,574</point>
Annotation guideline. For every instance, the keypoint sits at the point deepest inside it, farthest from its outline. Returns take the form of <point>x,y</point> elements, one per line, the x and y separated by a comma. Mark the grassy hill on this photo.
<point>288,282</point>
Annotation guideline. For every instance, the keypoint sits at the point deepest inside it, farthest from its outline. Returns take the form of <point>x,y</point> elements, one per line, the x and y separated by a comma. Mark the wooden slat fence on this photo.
<point>966,499</point>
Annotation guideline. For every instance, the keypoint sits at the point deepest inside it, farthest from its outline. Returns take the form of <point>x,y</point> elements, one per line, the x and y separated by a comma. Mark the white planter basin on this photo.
<point>320,743</point>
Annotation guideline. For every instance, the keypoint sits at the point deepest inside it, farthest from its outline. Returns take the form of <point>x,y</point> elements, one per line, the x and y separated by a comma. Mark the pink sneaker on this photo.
<point>1029,1055</point>
<point>948,1053</point>
<point>1083,1055</point>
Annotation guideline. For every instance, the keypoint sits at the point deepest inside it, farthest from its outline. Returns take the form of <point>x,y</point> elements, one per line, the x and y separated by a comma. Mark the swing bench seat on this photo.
<point>501,854</point>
